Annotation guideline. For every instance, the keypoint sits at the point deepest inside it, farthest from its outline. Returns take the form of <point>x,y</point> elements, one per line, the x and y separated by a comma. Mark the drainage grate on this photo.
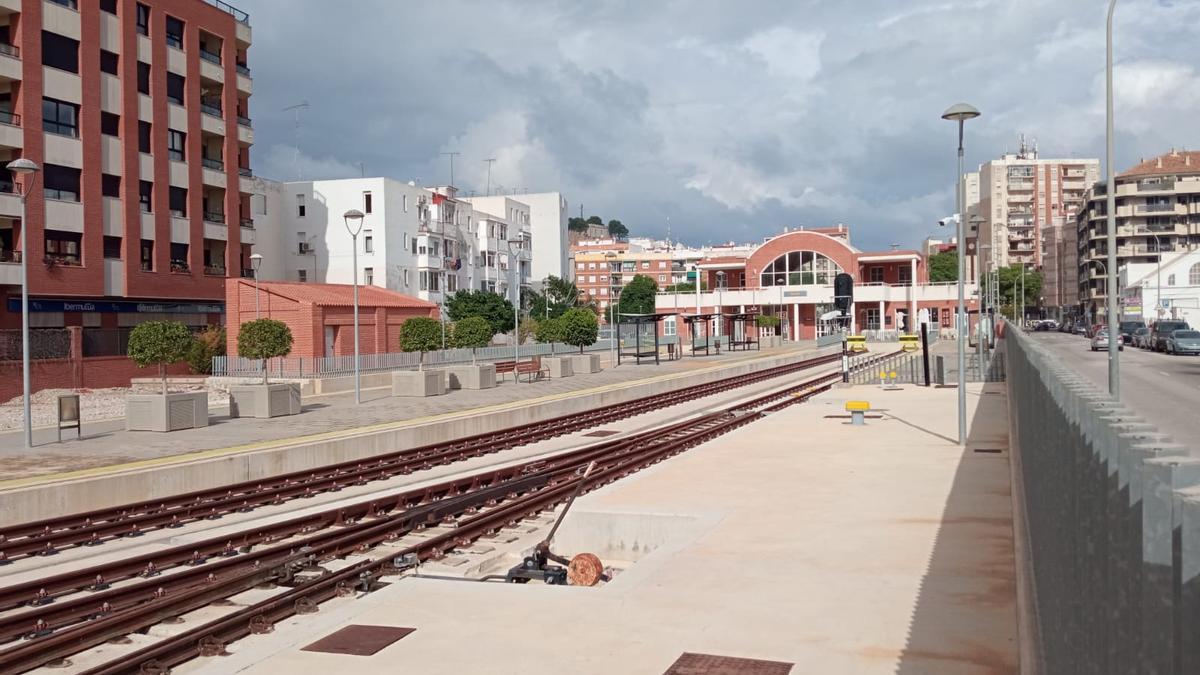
<point>358,640</point>
<point>992,450</point>
<point>601,433</point>
<point>707,664</point>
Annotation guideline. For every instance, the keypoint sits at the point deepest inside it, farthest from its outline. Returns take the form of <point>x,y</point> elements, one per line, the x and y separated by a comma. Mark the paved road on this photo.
<point>1164,389</point>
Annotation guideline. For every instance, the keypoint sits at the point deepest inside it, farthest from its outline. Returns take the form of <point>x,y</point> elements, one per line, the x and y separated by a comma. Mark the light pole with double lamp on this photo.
<point>354,223</point>
<point>27,169</point>
<point>1114,367</point>
<point>514,265</point>
<point>961,112</point>
<point>255,263</point>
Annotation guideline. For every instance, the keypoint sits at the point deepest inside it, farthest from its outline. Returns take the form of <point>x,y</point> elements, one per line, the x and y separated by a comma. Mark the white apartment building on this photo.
<point>1166,291</point>
<point>424,242</point>
<point>1022,196</point>
<point>546,213</point>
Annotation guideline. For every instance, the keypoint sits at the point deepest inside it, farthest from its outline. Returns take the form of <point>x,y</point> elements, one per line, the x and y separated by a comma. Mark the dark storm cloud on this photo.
<point>733,120</point>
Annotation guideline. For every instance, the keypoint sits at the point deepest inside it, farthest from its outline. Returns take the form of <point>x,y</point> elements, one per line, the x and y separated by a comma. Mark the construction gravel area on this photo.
<point>96,404</point>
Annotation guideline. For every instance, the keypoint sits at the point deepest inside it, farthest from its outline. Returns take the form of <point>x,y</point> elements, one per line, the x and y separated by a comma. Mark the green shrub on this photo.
<point>264,339</point>
<point>159,343</point>
<point>472,332</point>
<point>578,327</point>
<point>206,345</point>
<point>421,334</point>
<point>766,321</point>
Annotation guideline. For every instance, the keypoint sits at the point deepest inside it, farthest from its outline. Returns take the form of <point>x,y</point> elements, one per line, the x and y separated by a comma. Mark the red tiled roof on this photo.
<point>1172,162</point>
<point>341,295</point>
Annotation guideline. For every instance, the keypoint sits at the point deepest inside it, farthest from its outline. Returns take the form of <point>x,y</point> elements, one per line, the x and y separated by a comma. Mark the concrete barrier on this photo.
<point>1108,525</point>
<point>121,485</point>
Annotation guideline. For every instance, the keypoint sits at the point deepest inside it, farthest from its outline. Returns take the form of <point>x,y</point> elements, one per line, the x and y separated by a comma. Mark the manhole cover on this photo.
<point>358,640</point>
<point>601,433</point>
<point>707,664</point>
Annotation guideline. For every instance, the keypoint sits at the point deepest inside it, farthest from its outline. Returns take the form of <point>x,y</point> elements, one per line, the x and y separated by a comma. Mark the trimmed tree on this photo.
<point>578,327</point>
<point>264,339</point>
<point>472,333</point>
<point>766,321</point>
<point>420,334</point>
<point>159,343</point>
<point>549,331</point>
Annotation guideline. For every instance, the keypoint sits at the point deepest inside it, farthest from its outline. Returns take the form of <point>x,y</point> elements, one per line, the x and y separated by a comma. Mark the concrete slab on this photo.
<point>884,548</point>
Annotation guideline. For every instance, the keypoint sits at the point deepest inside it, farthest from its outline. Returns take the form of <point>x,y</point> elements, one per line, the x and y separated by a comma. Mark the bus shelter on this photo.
<point>743,331</point>
<point>700,329</point>
<point>637,337</point>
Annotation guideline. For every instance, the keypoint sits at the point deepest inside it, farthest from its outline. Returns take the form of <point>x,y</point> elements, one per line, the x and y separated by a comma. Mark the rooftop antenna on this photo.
<point>302,105</point>
<point>489,161</point>
<point>451,155</point>
<point>362,169</point>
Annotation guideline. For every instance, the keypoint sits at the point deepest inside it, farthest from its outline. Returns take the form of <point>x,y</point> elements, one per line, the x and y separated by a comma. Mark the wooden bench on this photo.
<point>533,368</point>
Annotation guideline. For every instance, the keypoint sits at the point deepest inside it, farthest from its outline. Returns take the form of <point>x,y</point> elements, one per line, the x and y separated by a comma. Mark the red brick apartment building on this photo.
<point>136,112</point>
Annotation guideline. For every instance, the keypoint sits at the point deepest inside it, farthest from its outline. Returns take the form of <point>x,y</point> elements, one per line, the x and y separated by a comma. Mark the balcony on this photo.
<point>10,50</point>
<point>215,164</point>
<point>211,108</point>
<point>1155,208</point>
<point>211,57</point>
<point>213,217</point>
<point>238,15</point>
<point>243,69</point>
<point>214,270</point>
<point>245,172</point>
<point>1156,185</point>
<point>248,223</point>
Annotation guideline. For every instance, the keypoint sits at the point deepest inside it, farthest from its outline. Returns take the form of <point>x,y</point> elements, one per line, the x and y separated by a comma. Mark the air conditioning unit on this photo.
<point>305,248</point>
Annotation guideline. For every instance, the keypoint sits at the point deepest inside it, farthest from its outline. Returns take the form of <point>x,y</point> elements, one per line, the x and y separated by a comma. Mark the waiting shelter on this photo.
<point>699,327</point>
<point>743,331</point>
<point>637,336</point>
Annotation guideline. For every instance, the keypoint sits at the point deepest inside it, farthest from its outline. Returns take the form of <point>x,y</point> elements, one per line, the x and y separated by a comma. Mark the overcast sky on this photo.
<point>733,119</point>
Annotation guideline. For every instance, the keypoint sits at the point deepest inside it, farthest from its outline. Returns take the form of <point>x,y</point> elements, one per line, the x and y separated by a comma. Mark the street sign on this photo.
<point>1166,303</point>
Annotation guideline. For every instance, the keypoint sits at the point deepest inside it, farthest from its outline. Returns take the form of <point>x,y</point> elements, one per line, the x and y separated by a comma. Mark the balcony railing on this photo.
<point>179,267</point>
<point>10,50</point>
<point>247,272</point>
<point>243,69</point>
<point>213,164</point>
<point>175,41</point>
<point>1156,184</point>
<point>245,171</point>
<point>238,14</point>
<point>214,217</point>
<point>1154,208</point>
<point>243,120</point>
<point>214,271</point>
<point>248,223</point>
<point>211,57</point>
<point>210,109</point>
<point>10,256</point>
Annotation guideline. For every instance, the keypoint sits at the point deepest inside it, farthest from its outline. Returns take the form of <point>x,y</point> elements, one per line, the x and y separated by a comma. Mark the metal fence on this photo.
<point>44,343</point>
<point>909,369</point>
<point>301,367</point>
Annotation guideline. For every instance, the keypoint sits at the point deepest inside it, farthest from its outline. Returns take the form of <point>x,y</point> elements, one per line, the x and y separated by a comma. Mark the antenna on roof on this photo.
<point>302,105</point>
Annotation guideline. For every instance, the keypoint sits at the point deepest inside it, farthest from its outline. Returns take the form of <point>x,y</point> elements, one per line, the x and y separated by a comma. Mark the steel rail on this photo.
<point>48,536</point>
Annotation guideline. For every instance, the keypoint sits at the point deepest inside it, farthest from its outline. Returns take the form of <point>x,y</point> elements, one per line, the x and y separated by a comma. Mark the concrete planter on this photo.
<point>585,363</point>
<point>166,412</point>
<point>481,376</point>
<point>419,382</point>
<point>771,341</point>
<point>264,400</point>
<point>558,366</point>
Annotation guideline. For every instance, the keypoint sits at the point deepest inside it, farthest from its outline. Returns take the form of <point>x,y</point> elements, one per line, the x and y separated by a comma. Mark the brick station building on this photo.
<point>321,316</point>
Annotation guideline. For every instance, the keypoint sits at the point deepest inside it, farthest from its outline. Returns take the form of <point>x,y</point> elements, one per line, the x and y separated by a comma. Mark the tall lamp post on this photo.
<point>1114,368</point>
<point>984,300</point>
<point>514,267</point>
<point>961,112</point>
<point>256,262</point>
<point>614,309</point>
<point>720,301</point>
<point>1158,273</point>
<point>27,169</point>
<point>354,222</point>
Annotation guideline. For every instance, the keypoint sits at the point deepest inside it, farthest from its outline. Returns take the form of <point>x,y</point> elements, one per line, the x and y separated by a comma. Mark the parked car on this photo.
<point>1081,329</point>
<point>1162,330</point>
<point>1096,328</point>
<point>1100,341</point>
<point>1127,329</point>
<point>1183,342</point>
<point>1141,338</point>
<point>1042,326</point>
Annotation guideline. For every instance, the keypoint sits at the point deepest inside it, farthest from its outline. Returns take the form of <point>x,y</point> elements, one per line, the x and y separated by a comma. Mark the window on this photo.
<point>60,117</point>
<point>591,266</point>
<point>366,202</point>
<point>669,326</point>
<point>1170,279</point>
<point>873,319</point>
<point>109,6</point>
<point>143,136</point>
<point>876,275</point>
<point>404,200</point>
<point>147,255</point>
<point>424,281</point>
<point>176,141</point>
<point>60,51</point>
<point>174,32</point>
<point>112,248</point>
<point>603,290</point>
<point>406,278</point>
<point>369,276</point>
<point>143,78</point>
<point>145,189</point>
<point>178,201</point>
<point>300,206</point>
<point>579,266</point>
<point>451,283</point>
<point>368,244</point>
<point>143,19</point>
<point>662,278</point>
<point>110,185</point>
<point>302,275</point>
<point>933,315</point>
<point>905,275</point>
<point>63,247</point>
<point>61,182</point>
<point>799,268</point>
<point>179,257</point>
<point>110,124</point>
<point>109,62</point>
<point>175,87</point>
<point>645,264</point>
<point>1194,275</point>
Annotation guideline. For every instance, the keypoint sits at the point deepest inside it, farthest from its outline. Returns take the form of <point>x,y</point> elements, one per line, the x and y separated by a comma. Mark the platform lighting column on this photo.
<point>961,112</point>
<point>354,222</point>
<point>512,256</point>
<point>1114,368</point>
<point>27,169</point>
<point>255,263</point>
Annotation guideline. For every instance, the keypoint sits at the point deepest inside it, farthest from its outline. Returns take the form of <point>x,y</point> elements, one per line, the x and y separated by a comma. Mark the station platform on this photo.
<point>798,540</point>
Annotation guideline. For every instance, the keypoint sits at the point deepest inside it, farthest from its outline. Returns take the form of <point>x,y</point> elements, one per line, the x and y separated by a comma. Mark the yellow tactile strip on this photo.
<point>383,426</point>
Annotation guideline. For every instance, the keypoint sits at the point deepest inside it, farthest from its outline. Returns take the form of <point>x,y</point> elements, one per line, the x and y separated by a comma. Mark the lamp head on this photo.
<point>22,166</point>
<point>255,261</point>
<point>353,219</point>
<point>960,112</point>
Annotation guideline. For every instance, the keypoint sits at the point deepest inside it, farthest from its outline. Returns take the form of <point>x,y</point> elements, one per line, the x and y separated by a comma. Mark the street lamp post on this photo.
<point>961,112</point>
<point>1114,368</point>
<point>27,169</point>
<point>354,222</point>
<point>512,258</point>
<point>976,221</point>
<point>1158,274</point>
<point>720,300</point>
<point>255,263</point>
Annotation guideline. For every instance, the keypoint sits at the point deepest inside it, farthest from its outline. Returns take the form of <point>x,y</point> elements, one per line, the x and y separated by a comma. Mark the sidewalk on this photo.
<point>106,443</point>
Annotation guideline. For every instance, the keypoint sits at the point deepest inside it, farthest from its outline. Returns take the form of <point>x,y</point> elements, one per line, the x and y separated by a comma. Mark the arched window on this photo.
<point>799,268</point>
<point>1170,279</point>
<point>1194,275</point>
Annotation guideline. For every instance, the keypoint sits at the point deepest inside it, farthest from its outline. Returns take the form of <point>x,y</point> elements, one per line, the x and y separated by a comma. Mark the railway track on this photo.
<point>72,612</point>
<point>47,537</point>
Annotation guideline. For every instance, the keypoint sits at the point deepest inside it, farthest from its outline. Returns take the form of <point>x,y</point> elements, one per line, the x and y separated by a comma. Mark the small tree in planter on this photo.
<point>578,327</point>
<point>420,334</point>
<point>472,333</point>
<point>550,331</point>
<point>159,343</point>
<point>264,339</point>
<point>766,321</point>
